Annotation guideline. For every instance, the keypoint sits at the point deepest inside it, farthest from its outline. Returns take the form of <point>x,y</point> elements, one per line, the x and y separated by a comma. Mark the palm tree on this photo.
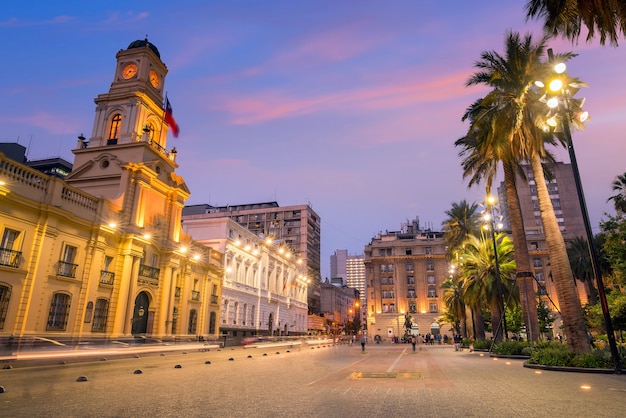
<point>512,100</point>
<point>455,306</point>
<point>619,200</point>
<point>480,271</point>
<point>567,17</point>
<point>580,261</point>
<point>463,220</point>
<point>495,121</point>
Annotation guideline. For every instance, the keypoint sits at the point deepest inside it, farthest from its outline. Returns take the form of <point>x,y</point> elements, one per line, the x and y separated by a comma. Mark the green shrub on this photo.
<point>552,356</point>
<point>482,345</point>
<point>510,348</point>
<point>595,359</point>
<point>527,350</point>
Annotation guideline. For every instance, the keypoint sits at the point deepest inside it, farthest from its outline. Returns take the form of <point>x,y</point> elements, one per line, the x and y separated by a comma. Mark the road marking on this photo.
<point>396,362</point>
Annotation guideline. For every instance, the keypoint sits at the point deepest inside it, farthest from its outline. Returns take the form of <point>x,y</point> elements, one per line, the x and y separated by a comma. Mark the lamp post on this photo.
<point>490,217</point>
<point>562,106</point>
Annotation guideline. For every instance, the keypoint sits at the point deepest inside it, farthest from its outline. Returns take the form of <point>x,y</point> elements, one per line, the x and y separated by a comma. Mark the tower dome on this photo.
<point>143,43</point>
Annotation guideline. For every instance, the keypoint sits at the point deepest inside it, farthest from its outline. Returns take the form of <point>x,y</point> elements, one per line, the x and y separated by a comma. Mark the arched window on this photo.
<point>5,296</point>
<point>212,323</point>
<point>59,311</point>
<point>193,321</point>
<point>114,131</point>
<point>100,315</point>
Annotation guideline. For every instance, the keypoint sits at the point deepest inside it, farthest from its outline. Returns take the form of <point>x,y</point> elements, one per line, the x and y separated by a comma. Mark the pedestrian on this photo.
<point>363,341</point>
<point>413,342</point>
<point>457,342</point>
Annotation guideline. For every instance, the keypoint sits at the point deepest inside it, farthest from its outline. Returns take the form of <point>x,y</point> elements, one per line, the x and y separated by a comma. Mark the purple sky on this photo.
<point>350,106</point>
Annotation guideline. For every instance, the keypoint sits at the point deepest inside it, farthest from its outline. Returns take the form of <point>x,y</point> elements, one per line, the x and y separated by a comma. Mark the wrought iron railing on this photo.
<point>10,258</point>
<point>66,269</point>
<point>107,277</point>
<point>148,271</point>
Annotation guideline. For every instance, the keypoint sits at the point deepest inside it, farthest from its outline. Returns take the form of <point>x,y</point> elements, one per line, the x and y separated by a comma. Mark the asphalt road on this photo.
<point>385,380</point>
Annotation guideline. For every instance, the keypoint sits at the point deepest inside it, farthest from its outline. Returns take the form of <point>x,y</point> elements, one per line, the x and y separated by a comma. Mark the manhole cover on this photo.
<point>386,375</point>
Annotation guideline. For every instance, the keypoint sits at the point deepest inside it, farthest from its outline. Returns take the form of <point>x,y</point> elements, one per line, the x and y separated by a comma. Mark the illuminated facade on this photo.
<point>297,226</point>
<point>102,254</point>
<point>265,285</point>
<point>404,271</point>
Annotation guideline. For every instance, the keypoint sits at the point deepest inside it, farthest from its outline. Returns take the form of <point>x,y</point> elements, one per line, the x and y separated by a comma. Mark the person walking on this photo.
<point>363,342</point>
<point>413,342</point>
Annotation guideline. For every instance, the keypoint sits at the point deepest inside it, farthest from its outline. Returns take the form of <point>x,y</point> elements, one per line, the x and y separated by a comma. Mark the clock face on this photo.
<point>155,80</point>
<point>129,71</point>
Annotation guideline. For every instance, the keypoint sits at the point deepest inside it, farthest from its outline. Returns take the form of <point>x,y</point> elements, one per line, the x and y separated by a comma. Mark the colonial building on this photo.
<point>265,284</point>
<point>298,227</point>
<point>404,271</point>
<point>102,254</point>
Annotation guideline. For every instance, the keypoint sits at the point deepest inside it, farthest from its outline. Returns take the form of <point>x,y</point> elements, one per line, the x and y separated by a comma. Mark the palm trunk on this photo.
<point>479,323</point>
<point>571,311</point>
<point>496,315</point>
<point>524,274</point>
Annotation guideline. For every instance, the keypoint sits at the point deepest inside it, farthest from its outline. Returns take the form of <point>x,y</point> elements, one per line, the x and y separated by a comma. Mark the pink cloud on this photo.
<point>274,104</point>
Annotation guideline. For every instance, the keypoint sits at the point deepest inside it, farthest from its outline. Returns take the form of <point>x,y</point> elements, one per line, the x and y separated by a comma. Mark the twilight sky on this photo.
<point>350,106</point>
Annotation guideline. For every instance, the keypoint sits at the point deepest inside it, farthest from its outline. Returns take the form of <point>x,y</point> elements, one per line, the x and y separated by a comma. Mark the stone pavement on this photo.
<point>385,380</point>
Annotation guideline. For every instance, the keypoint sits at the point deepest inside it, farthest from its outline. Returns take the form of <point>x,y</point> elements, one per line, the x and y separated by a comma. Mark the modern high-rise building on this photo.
<point>102,254</point>
<point>297,227</point>
<point>351,269</point>
<point>404,271</point>
<point>564,197</point>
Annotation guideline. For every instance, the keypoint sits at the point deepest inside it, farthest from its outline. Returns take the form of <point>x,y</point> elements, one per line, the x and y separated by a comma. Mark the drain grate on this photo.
<point>386,375</point>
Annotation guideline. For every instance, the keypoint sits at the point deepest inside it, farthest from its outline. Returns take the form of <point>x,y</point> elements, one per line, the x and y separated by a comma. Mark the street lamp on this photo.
<point>560,101</point>
<point>490,217</point>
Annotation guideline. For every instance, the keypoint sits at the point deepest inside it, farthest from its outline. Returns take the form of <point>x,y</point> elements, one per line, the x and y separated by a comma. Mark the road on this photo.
<point>385,380</point>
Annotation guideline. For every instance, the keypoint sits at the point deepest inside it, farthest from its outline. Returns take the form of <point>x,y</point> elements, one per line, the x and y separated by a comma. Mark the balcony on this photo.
<point>107,277</point>
<point>214,299</point>
<point>10,258</point>
<point>195,295</point>
<point>177,292</point>
<point>150,272</point>
<point>66,269</point>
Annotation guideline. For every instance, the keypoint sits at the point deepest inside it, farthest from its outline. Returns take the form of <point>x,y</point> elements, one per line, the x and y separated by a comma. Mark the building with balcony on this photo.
<point>404,271</point>
<point>264,289</point>
<point>298,227</point>
<point>102,254</point>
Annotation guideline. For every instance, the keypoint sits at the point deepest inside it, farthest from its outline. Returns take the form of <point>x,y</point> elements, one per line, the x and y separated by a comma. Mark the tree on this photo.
<point>614,247</point>
<point>580,262</point>
<point>513,103</point>
<point>619,200</point>
<point>455,305</point>
<point>567,18</point>
<point>496,120</point>
<point>480,273</point>
<point>463,220</point>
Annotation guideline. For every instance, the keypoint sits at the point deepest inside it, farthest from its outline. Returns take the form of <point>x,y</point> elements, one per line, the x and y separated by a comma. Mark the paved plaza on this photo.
<point>386,380</point>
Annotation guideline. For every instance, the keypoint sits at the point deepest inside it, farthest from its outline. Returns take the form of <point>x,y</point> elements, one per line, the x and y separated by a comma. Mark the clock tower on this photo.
<point>125,160</point>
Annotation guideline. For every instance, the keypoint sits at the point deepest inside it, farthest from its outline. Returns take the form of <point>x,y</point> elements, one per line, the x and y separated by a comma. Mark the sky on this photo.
<point>349,106</point>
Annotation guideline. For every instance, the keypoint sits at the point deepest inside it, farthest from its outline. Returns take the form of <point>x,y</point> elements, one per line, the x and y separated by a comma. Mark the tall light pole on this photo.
<point>490,217</point>
<point>556,86</point>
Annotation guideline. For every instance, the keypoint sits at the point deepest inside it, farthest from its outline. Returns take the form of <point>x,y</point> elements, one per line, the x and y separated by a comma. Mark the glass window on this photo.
<point>116,123</point>
<point>409,266</point>
<point>408,251</point>
<point>432,291</point>
<point>433,308</point>
<point>429,250</point>
<point>193,321</point>
<point>410,279</point>
<point>5,296</point>
<point>59,311</point>
<point>100,315</point>
<point>430,265</point>
<point>9,238</point>
<point>431,279</point>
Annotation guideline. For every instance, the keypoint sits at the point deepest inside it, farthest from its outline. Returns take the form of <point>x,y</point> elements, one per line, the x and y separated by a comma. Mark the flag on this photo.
<point>169,118</point>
